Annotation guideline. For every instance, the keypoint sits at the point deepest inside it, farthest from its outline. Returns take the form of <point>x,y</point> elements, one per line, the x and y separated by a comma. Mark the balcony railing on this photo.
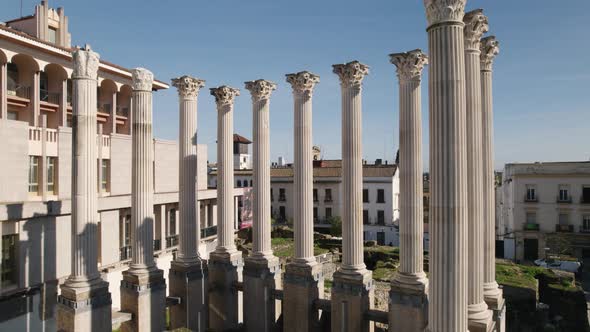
<point>530,226</point>
<point>564,228</point>
<point>282,199</point>
<point>584,229</point>
<point>21,91</point>
<point>171,241</point>
<point>123,111</point>
<point>51,97</point>
<point>104,108</point>
<point>157,245</point>
<point>125,253</point>
<point>564,200</point>
<point>209,231</point>
<point>531,199</point>
<point>328,199</point>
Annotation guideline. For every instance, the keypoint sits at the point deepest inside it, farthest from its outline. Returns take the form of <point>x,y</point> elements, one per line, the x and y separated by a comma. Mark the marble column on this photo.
<point>188,273</point>
<point>225,263</point>
<point>85,301</point>
<point>304,282</point>
<point>35,104</point>
<point>143,288</point>
<point>447,310</point>
<point>353,289</point>
<point>480,318</point>
<point>4,91</point>
<point>262,270</point>
<point>409,288</point>
<point>489,47</point>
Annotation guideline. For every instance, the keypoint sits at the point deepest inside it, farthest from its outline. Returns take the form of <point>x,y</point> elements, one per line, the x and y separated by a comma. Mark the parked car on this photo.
<point>570,266</point>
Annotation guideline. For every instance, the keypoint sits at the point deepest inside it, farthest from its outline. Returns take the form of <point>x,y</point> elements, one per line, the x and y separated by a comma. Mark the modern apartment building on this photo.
<point>544,207</point>
<point>35,176</point>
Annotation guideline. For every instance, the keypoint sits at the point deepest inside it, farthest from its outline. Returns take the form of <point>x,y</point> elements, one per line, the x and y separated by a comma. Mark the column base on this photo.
<point>500,317</point>
<point>84,308</point>
<point>303,284</point>
<point>189,283</point>
<point>493,295</point>
<point>262,275</point>
<point>352,297</point>
<point>479,318</point>
<point>408,304</point>
<point>143,294</point>
<point>225,271</point>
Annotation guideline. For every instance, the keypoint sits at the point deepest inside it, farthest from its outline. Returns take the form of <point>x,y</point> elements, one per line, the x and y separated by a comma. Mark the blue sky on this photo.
<point>541,79</point>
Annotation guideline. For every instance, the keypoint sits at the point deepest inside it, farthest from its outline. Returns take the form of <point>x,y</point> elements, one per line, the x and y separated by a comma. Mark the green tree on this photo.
<point>335,226</point>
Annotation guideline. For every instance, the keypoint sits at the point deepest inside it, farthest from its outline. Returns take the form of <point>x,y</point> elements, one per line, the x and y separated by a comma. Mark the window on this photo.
<point>380,196</point>
<point>239,183</point>
<point>52,35</point>
<point>315,195</point>
<point>315,214</point>
<point>34,175</point>
<point>282,197</point>
<point>531,193</point>
<point>563,219</point>
<point>563,193</point>
<point>250,183</point>
<point>271,196</point>
<point>328,197</point>
<point>9,260</point>
<point>43,86</point>
<point>125,230</point>
<point>328,213</point>
<point>366,217</point>
<point>12,116</point>
<point>282,213</point>
<point>380,217</point>
<point>104,180</point>
<point>13,79</point>
<point>586,223</point>
<point>172,222</point>
<point>51,174</point>
<point>585,195</point>
<point>365,195</point>
<point>531,218</point>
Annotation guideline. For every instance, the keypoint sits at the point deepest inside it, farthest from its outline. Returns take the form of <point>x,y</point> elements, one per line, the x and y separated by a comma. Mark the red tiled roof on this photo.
<point>241,139</point>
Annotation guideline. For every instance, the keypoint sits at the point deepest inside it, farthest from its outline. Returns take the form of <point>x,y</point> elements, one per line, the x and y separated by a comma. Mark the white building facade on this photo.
<point>544,207</point>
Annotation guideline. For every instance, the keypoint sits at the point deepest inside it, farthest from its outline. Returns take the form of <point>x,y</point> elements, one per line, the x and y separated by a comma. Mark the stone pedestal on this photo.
<point>352,297</point>
<point>303,284</point>
<point>408,307</point>
<point>143,294</point>
<point>189,283</point>
<point>261,278</point>
<point>85,309</point>
<point>225,271</point>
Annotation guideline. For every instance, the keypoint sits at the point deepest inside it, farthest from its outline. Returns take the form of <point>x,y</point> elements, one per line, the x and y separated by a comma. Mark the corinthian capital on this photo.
<point>224,95</point>
<point>303,82</point>
<point>439,11</point>
<point>351,74</point>
<point>409,64</point>
<point>86,63</point>
<point>188,87</point>
<point>490,47</point>
<point>260,89</point>
<point>142,79</point>
<point>476,24</point>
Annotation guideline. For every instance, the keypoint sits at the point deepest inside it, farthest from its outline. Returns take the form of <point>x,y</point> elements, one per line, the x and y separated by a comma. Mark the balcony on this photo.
<point>125,253</point>
<point>531,199</point>
<point>328,199</point>
<point>171,241</point>
<point>36,138</point>
<point>564,228</point>
<point>209,231</point>
<point>564,200</point>
<point>584,230</point>
<point>19,95</point>
<point>282,199</point>
<point>529,226</point>
<point>157,245</point>
<point>49,101</point>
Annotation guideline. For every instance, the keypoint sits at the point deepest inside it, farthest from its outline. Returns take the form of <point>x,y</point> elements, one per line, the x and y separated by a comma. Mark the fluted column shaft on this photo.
<point>187,195</point>
<point>489,49</point>
<point>84,173</point>
<point>410,168</point>
<point>448,166</point>
<point>142,185</point>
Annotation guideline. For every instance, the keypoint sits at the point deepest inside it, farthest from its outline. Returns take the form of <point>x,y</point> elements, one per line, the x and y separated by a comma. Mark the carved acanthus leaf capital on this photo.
<point>86,63</point>
<point>439,11</point>
<point>351,74</point>
<point>476,24</point>
<point>303,82</point>
<point>490,47</point>
<point>224,95</point>
<point>188,87</point>
<point>409,64</point>
<point>260,89</point>
<point>142,79</point>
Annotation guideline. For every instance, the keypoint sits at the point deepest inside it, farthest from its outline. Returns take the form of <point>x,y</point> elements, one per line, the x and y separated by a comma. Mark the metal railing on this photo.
<point>584,229</point>
<point>567,199</point>
<point>530,226</point>
<point>125,253</point>
<point>157,245</point>
<point>209,231</point>
<point>21,91</point>
<point>328,199</point>
<point>51,97</point>
<point>531,199</point>
<point>171,241</point>
<point>564,228</point>
<point>282,198</point>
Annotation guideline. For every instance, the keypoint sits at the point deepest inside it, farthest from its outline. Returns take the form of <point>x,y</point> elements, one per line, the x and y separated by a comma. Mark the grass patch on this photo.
<point>384,271</point>
<point>285,247</point>
<point>517,275</point>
